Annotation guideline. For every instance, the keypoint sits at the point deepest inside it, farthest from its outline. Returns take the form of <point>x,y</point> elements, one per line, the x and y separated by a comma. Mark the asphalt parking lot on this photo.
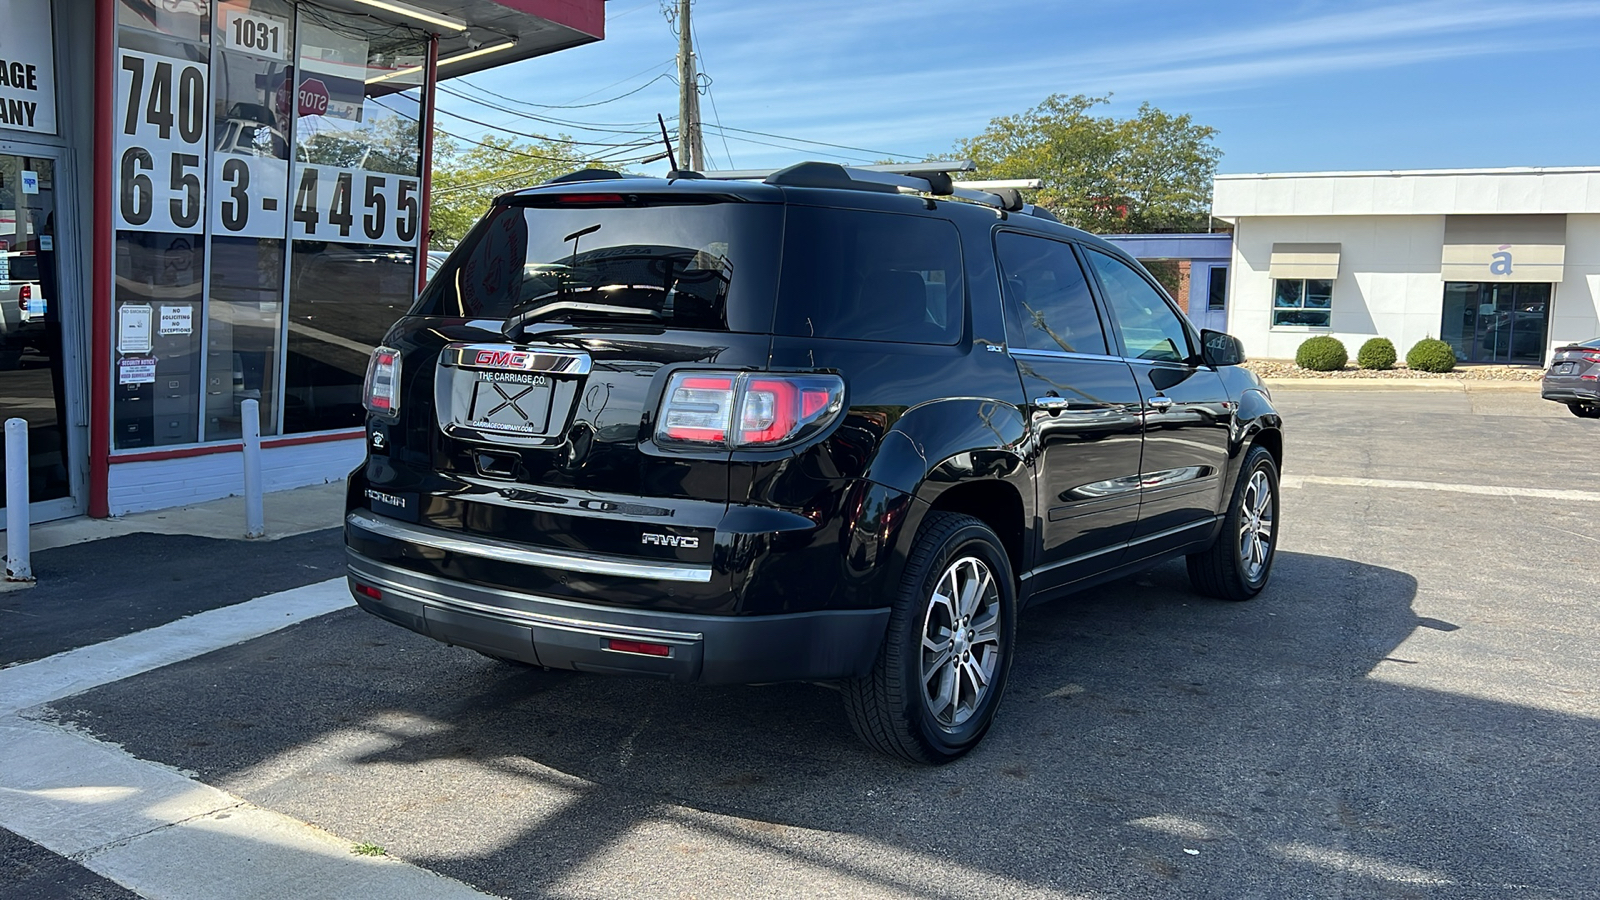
<point>1411,709</point>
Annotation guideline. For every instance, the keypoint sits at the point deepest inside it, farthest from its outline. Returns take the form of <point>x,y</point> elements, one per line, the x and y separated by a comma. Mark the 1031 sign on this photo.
<point>354,206</point>
<point>161,143</point>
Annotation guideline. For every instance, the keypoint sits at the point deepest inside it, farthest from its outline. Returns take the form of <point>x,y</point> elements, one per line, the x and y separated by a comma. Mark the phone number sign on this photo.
<point>161,142</point>
<point>354,206</point>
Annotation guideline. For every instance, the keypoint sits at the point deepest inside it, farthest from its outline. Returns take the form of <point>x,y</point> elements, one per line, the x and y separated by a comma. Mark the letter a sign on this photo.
<point>1501,261</point>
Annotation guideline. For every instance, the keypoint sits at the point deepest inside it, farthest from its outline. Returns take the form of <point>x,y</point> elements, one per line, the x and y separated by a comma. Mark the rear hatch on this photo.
<point>532,368</point>
<point>1575,360</point>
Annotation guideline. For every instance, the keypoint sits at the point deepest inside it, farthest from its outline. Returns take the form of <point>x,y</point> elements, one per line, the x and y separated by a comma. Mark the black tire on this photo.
<point>1221,570</point>
<point>889,708</point>
<point>1585,410</point>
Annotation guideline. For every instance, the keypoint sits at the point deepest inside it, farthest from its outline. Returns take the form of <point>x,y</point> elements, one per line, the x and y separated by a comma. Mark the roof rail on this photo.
<point>914,178</point>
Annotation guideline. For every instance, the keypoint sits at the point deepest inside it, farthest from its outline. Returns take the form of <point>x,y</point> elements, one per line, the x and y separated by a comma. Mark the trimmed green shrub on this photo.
<point>1431,355</point>
<point>1377,353</point>
<point>1323,353</point>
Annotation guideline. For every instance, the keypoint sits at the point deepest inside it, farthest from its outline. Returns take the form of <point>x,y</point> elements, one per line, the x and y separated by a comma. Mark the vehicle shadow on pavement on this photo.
<point>1152,743</point>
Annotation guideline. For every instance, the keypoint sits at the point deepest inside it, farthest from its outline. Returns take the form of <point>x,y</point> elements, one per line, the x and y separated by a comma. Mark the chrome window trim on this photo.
<point>502,551</point>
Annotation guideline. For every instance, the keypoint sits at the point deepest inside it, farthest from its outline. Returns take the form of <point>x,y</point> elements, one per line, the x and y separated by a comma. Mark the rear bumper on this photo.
<point>562,634</point>
<point>1571,391</point>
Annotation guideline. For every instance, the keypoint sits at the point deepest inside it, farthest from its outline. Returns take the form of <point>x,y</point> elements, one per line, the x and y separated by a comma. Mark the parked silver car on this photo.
<point>1574,378</point>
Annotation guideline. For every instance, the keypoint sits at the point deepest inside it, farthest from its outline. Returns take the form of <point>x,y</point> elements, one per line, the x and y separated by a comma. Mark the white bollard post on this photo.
<point>255,519</point>
<point>19,567</point>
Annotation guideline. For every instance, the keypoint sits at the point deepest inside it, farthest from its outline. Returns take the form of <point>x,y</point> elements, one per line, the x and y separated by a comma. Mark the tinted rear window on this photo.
<point>23,267</point>
<point>706,266</point>
<point>870,276</point>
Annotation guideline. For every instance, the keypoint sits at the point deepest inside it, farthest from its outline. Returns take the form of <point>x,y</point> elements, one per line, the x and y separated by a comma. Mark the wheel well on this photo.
<point>1272,439</point>
<point>997,504</point>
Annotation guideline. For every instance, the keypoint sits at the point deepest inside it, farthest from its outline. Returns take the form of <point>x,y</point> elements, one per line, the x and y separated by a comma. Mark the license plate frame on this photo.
<point>510,403</point>
<point>1566,368</point>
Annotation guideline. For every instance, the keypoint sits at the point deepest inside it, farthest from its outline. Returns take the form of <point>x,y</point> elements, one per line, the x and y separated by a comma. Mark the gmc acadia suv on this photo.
<point>838,425</point>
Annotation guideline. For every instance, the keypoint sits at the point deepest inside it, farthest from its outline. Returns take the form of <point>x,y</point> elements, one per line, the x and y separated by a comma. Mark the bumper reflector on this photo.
<point>367,590</point>
<point>640,647</point>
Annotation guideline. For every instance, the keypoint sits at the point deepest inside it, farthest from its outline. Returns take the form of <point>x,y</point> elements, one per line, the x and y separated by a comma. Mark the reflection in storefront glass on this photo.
<point>355,209</point>
<point>30,322</point>
<point>252,83</point>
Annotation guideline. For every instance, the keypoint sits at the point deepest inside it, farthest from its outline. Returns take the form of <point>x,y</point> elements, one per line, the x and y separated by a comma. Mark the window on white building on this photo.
<point>1302,301</point>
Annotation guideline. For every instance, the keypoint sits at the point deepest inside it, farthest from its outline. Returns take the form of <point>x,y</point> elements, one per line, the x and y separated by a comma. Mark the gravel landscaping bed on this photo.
<point>1283,368</point>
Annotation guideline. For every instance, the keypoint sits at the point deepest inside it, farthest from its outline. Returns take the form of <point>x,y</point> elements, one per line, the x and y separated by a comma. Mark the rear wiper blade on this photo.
<point>517,322</point>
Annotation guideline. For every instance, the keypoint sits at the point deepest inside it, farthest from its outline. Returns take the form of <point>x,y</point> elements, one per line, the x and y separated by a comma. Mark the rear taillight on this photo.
<point>761,410</point>
<point>382,392</point>
<point>23,296</point>
<point>1587,357</point>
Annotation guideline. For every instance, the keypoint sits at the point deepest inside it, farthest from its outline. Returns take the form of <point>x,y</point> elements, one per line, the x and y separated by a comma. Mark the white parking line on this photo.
<point>149,827</point>
<point>79,670</point>
<point>1487,490</point>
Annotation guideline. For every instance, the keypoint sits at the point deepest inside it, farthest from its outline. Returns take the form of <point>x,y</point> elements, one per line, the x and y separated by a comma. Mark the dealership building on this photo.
<point>1503,264</point>
<point>209,201</point>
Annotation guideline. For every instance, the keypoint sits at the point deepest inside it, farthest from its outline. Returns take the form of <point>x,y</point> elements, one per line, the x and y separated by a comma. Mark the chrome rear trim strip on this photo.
<point>487,548</point>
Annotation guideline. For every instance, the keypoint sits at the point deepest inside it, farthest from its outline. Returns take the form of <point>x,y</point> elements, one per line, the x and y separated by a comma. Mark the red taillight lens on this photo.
<point>26,293</point>
<point>751,410</point>
<point>1587,357</point>
<point>382,391</point>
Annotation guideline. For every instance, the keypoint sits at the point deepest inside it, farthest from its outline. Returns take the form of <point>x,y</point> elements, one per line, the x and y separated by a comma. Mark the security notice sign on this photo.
<point>27,67</point>
<point>161,141</point>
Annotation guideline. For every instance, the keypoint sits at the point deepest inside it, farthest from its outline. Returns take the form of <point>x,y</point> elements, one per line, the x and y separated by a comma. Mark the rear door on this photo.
<point>1083,410</point>
<point>1186,409</point>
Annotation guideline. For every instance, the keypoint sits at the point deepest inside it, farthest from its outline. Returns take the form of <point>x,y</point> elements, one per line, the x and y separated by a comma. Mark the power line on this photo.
<point>530,134</point>
<point>788,147</point>
<point>709,96</point>
<point>785,137</point>
<point>611,127</point>
<point>530,103</point>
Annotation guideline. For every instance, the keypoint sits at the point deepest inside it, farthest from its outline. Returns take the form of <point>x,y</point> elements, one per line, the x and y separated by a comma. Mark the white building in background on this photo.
<point>1503,264</point>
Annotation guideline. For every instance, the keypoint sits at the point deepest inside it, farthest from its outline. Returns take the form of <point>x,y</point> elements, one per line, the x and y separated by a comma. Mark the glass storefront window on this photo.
<point>355,209</point>
<point>268,209</point>
<point>252,81</point>
<point>1496,322</point>
<point>161,141</point>
<point>31,367</point>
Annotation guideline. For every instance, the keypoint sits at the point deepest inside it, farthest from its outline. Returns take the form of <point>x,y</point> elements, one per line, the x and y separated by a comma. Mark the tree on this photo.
<point>466,180</point>
<point>1148,173</point>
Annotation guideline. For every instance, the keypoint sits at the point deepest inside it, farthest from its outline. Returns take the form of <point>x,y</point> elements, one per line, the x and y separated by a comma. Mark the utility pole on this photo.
<point>691,149</point>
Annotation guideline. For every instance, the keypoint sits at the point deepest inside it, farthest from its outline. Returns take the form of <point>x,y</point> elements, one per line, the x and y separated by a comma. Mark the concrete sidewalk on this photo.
<point>81,818</point>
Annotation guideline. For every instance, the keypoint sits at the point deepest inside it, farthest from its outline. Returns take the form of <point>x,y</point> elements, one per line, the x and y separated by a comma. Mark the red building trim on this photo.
<point>298,440</point>
<point>586,16</point>
<point>105,82</point>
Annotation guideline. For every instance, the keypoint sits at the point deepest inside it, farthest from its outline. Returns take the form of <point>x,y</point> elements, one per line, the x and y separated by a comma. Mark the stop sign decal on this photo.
<point>313,97</point>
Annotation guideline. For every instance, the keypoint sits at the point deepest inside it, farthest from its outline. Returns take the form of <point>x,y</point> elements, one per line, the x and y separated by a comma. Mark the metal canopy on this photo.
<point>537,27</point>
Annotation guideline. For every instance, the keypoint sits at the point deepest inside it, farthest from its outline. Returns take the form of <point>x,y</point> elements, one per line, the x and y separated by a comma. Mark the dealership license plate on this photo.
<point>510,402</point>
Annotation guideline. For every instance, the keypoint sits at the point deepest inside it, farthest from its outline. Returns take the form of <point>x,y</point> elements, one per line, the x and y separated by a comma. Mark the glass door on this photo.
<point>32,369</point>
<point>1496,322</point>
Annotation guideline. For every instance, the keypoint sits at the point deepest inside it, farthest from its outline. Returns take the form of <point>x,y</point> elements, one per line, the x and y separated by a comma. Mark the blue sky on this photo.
<point>1290,86</point>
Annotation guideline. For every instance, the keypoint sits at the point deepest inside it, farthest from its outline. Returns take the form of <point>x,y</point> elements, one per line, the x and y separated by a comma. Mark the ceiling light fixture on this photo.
<point>485,50</point>
<point>421,15</point>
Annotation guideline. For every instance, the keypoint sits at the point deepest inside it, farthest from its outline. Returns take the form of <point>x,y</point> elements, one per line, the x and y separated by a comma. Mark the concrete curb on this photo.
<point>1450,385</point>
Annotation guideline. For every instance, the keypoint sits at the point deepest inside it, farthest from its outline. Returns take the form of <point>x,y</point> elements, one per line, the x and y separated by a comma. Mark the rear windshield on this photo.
<point>23,267</point>
<point>870,276</point>
<point>706,266</point>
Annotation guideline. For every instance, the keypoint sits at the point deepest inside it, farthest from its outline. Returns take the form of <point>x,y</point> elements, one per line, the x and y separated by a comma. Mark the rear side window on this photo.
<point>870,276</point>
<point>1047,295</point>
<point>654,263</point>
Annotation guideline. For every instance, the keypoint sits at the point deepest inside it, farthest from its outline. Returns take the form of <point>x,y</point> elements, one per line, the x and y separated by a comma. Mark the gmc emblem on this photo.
<point>670,540</point>
<point>502,359</point>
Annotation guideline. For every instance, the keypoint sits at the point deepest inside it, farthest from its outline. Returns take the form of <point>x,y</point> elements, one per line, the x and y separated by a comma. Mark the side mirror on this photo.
<point>1218,349</point>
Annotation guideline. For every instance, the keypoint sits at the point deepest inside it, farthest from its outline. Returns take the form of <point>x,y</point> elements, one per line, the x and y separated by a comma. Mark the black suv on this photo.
<point>820,427</point>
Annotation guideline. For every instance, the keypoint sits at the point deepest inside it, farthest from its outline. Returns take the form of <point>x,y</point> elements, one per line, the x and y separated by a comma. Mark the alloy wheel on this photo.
<point>960,641</point>
<point>1256,525</point>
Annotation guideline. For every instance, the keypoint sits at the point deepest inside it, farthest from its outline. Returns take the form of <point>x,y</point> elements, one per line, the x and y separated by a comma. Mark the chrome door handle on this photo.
<point>1160,404</point>
<point>1051,404</point>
